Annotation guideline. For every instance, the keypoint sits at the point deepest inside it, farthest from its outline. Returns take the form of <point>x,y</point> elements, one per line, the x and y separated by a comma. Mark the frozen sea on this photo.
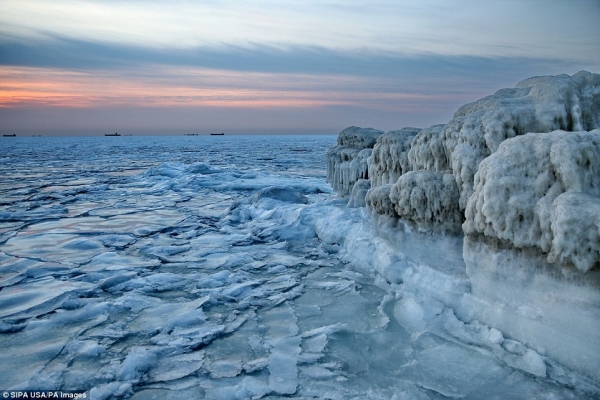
<point>223,267</point>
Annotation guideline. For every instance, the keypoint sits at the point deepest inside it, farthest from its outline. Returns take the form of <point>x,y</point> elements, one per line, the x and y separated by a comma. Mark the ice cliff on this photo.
<point>517,175</point>
<point>439,177</point>
<point>542,191</point>
<point>538,104</point>
<point>347,162</point>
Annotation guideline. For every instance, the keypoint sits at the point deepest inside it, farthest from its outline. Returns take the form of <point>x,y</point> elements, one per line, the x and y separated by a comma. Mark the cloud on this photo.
<point>329,63</point>
<point>512,28</point>
<point>77,54</point>
<point>380,88</point>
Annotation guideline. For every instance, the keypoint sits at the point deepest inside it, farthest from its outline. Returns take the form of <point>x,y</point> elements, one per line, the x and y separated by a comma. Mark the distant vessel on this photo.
<point>217,134</point>
<point>112,134</point>
<point>191,134</point>
<point>13,135</point>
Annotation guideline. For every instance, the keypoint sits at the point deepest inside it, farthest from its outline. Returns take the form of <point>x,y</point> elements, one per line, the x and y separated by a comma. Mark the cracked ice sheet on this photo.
<point>30,299</point>
<point>40,342</point>
<point>160,245</point>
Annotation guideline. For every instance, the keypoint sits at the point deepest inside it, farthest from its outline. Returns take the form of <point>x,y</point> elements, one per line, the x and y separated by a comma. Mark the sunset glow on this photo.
<point>190,88</point>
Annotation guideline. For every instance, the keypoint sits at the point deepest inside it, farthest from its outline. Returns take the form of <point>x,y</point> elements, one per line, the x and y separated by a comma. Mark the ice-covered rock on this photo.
<point>542,190</point>
<point>576,230</point>
<point>429,200</point>
<point>427,150</point>
<point>378,199</point>
<point>538,104</point>
<point>357,137</point>
<point>348,161</point>
<point>359,192</point>
<point>345,166</point>
<point>390,156</point>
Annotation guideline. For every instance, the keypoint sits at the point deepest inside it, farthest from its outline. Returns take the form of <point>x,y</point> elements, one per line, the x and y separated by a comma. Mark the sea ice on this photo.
<point>180,285</point>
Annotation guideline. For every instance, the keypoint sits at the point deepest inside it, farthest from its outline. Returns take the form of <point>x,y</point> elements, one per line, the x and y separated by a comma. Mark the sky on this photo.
<point>89,67</point>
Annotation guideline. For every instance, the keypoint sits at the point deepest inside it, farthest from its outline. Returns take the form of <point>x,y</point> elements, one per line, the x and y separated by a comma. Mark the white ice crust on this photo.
<point>390,156</point>
<point>428,199</point>
<point>348,161</point>
<point>427,150</point>
<point>538,104</point>
<point>359,193</point>
<point>543,191</point>
<point>378,199</point>
<point>357,137</point>
<point>345,166</point>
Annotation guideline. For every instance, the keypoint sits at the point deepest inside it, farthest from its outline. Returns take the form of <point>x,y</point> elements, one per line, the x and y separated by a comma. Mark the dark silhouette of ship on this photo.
<point>112,134</point>
<point>12,135</point>
<point>217,134</point>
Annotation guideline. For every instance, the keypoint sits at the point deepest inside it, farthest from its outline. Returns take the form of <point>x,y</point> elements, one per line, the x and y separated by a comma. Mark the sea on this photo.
<point>218,267</point>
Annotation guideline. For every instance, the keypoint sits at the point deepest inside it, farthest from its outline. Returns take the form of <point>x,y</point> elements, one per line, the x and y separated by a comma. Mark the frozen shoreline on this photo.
<point>517,174</point>
<point>231,279</point>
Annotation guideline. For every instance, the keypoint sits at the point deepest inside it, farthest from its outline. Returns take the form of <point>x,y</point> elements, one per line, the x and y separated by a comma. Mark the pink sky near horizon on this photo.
<point>272,65</point>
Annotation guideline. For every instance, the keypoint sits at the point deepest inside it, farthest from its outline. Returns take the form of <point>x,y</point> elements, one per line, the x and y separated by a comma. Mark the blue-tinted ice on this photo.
<point>151,268</point>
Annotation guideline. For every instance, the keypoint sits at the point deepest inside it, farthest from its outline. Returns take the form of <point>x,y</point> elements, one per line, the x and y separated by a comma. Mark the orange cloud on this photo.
<point>180,87</point>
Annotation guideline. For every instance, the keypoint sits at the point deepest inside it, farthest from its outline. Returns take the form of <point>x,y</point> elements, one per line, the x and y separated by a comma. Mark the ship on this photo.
<point>217,134</point>
<point>112,134</point>
<point>11,135</point>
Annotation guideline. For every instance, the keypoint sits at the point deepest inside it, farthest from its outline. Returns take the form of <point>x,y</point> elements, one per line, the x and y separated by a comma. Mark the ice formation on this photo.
<point>390,156</point>
<point>378,199</point>
<point>542,190</point>
<point>554,311</point>
<point>347,162</point>
<point>428,199</point>
<point>538,104</point>
<point>518,173</point>
<point>427,151</point>
<point>359,193</point>
<point>357,137</point>
<point>280,193</point>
